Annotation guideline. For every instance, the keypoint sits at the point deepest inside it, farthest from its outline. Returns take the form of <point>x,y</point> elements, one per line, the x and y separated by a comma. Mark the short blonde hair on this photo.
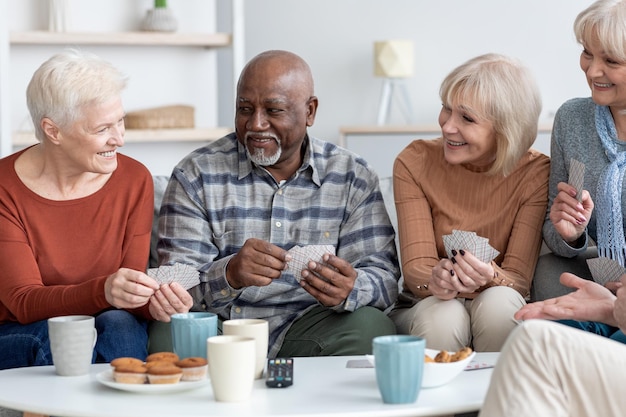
<point>605,19</point>
<point>503,91</point>
<point>65,83</point>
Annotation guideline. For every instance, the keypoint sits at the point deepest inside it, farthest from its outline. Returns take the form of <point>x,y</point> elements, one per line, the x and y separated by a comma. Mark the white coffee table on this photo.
<point>323,386</point>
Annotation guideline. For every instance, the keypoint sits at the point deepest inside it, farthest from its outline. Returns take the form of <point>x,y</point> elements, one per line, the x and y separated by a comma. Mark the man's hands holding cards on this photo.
<point>572,207</point>
<point>302,255</point>
<point>325,276</point>
<point>467,268</point>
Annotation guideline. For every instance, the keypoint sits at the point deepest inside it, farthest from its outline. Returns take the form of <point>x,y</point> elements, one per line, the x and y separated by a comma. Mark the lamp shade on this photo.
<point>393,58</point>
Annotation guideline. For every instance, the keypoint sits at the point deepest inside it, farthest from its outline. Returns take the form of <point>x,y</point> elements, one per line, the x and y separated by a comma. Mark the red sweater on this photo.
<point>56,255</point>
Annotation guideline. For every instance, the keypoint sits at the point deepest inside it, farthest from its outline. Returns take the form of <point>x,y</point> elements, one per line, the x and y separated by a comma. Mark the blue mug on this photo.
<point>399,363</point>
<point>190,332</point>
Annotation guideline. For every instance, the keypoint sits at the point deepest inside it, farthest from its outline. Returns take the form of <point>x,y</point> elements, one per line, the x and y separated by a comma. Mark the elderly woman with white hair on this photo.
<point>75,220</point>
<point>481,176</point>
<point>592,131</point>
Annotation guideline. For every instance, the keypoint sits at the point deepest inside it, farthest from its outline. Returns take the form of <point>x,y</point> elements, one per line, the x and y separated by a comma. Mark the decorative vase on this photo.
<point>57,15</point>
<point>159,19</point>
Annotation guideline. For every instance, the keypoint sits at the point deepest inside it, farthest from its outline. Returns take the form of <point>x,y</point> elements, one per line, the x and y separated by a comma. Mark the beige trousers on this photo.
<point>482,323</point>
<point>548,369</point>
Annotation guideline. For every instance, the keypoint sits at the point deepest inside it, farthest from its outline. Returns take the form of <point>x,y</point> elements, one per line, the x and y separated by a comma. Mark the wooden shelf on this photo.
<point>206,40</point>
<point>365,130</point>
<point>24,138</point>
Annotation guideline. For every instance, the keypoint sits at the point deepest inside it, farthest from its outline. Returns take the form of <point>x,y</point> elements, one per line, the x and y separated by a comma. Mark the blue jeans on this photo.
<point>119,334</point>
<point>597,328</point>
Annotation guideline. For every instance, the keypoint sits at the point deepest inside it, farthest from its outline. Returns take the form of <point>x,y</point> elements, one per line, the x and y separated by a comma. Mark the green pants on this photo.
<point>320,332</point>
<point>323,332</point>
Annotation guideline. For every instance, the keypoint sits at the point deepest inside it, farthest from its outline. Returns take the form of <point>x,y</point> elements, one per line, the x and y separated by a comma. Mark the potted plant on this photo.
<point>160,18</point>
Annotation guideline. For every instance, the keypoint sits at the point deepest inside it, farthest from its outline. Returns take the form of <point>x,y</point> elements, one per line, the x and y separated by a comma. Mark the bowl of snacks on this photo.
<point>441,367</point>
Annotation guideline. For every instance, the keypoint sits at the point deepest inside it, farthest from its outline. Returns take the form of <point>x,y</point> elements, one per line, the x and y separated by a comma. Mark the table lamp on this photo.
<point>393,60</point>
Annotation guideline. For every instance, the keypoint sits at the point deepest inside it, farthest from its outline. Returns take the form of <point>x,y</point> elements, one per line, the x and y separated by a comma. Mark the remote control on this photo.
<point>279,372</point>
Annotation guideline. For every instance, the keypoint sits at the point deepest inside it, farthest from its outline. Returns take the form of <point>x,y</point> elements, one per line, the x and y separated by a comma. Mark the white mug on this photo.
<point>258,329</point>
<point>232,361</point>
<point>72,339</point>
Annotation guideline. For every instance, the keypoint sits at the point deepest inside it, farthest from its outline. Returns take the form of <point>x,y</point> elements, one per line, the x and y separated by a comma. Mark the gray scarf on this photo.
<point>608,204</point>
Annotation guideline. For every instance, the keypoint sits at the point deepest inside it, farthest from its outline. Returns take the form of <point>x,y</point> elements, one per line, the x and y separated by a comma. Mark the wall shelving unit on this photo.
<point>9,138</point>
<point>121,39</point>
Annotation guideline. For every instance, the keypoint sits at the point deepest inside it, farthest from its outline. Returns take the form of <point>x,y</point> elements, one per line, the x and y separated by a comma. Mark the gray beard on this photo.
<point>261,159</point>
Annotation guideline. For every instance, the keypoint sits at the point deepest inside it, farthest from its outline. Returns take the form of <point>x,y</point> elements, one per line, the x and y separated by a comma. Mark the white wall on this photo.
<point>336,38</point>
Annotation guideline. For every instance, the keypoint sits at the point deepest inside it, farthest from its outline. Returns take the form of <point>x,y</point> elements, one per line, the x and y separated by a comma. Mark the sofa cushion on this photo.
<point>160,182</point>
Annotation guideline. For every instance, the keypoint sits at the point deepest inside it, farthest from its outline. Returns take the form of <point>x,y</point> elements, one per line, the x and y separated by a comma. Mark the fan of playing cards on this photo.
<point>301,255</point>
<point>577,177</point>
<point>470,241</point>
<point>604,269</point>
<point>185,275</point>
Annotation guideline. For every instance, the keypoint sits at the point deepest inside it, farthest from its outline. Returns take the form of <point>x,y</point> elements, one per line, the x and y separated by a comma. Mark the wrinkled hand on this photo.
<point>463,273</point>
<point>256,264</point>
<point>590,302</point>
<point>169,299</point>
<point>129,289</point>
<point>471,272</point>
<point>619,307</point>
<point>613,286</point>
<point>442,283</point>
<point>330,283</point>
<point>568,215</point>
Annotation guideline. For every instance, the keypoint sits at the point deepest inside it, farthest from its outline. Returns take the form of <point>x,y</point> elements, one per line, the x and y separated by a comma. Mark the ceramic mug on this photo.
<point>258,329</point>
<point>72,339</point>
<point>190,332</point>
<point>399,363</point>
<point>232,363</point>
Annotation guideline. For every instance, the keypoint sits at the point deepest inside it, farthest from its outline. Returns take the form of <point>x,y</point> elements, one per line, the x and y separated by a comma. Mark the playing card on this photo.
<point>477,245</point>
<point>475,365</point>
<point>577,177</point>
<point>301,255</point>
<point>359,363</point>
<point>187,276</point>
<point>604,270</point>
<point>464,240</point>
<point>448,244</point>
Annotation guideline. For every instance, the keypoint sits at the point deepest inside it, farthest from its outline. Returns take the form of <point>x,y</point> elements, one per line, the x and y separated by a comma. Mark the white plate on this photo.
<point>106,378</point>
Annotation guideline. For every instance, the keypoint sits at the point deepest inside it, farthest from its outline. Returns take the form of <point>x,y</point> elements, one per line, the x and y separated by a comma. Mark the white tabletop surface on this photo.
<point>323,386</point>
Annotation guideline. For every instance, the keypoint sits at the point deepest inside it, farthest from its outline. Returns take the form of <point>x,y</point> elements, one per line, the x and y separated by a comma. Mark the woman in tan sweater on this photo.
<point>480,176</point>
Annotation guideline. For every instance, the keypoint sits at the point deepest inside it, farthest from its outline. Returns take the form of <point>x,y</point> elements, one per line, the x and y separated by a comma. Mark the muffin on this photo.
<point>126,361</point>
<point>163,356</point>
<point>194,369</point>
<point>130,374</point>
<point>152,363</point>
<point>164,374</point>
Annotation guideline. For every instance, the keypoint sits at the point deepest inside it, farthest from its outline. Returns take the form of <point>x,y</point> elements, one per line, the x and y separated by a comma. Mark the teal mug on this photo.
<point>190,332</point>
<point>399,363</point>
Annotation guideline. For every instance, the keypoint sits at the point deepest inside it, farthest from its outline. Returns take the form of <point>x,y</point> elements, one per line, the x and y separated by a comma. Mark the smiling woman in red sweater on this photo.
<point>75,220</point>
